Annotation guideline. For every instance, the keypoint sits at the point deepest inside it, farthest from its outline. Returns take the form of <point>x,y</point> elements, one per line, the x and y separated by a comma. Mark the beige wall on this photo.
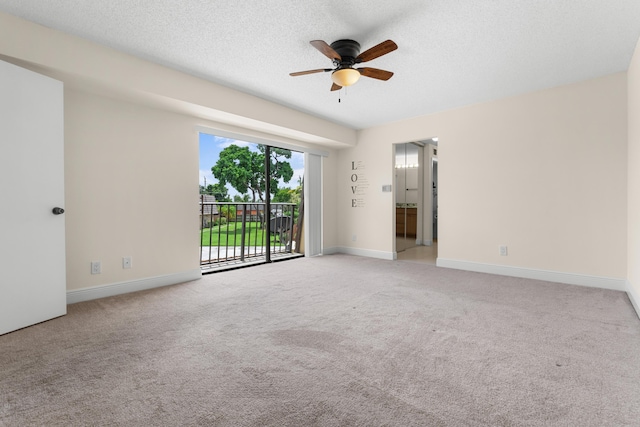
<point>131,177</point>
<point>544,173</point>
<point>370,223</point>
<point>633,216</point>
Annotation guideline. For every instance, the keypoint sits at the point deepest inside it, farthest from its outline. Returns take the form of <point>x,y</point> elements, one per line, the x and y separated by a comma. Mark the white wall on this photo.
<point>633,191</point>
<point>544,173</point>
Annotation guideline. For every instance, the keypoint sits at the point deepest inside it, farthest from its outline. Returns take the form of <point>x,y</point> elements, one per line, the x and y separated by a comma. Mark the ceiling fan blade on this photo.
<point>375,73</point>
<point>335,87</point>
<point>377,51</point>
<point>326,50</point>
<point>302,73</point>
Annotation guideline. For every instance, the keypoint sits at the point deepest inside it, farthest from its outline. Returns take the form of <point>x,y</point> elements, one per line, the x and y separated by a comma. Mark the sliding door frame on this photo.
<point>312,183</point>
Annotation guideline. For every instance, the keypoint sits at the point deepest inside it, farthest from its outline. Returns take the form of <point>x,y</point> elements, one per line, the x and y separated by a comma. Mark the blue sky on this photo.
<point>211,146</point>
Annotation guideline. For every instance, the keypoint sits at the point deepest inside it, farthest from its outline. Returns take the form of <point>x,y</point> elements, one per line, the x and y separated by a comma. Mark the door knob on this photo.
<point>58,211</point>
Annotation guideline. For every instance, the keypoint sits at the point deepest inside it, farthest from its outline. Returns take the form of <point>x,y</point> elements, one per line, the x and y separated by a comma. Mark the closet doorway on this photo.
<point>408,174</point>
<point>416,201</point>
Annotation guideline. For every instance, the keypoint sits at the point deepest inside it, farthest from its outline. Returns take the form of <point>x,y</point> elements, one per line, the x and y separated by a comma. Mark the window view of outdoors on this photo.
<point>233,223</point>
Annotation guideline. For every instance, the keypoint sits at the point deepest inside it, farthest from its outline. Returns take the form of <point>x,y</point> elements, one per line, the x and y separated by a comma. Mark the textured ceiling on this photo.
<point>451,52</point>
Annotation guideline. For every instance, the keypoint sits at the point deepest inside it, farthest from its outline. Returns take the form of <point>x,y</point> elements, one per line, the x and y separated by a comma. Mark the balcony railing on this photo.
<point>235,233</point>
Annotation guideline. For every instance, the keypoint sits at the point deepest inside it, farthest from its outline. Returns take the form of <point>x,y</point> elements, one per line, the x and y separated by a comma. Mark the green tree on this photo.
<point>219,191</point>
<point>296,197</point>
<point>280,167</point>
<point>244,169</point>
<point>241,199</point>
<point>228,211</point>
<point>288,195</point>
<point>239,167</point>
<point>282,196</point>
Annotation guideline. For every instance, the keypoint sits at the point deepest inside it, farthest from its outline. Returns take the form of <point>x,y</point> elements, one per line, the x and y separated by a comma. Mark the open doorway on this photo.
<point>423,245</point>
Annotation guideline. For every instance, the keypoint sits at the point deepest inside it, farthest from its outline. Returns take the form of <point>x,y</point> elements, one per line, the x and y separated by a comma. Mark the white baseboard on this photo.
<point>634,297</point>
<point>529,273</point>
<point>359,252</point>
<point>102,291</point>
<point>330,251</point>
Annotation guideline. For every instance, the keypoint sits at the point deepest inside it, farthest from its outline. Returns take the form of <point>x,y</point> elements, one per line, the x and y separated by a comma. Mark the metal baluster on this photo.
<point>244,230</point>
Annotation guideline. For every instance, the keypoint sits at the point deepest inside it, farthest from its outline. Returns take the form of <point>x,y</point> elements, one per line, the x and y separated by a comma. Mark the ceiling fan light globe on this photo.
<point>345,76</point>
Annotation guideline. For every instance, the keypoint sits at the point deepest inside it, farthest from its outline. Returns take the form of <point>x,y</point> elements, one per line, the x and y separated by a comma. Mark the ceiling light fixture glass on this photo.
<point>345,76</point>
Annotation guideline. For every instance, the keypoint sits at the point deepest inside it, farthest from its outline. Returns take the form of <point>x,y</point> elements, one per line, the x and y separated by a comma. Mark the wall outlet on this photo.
<point>126,262</point>
<point>354,237</point>
<point>96,267</point>
<point>502,250</point>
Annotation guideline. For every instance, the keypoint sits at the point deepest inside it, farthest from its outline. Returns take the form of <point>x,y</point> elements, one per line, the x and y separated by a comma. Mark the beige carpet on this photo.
<point>332,341</point>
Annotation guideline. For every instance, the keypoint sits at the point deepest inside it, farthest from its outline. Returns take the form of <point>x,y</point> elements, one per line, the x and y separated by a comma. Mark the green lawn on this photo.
<point>231,234</point>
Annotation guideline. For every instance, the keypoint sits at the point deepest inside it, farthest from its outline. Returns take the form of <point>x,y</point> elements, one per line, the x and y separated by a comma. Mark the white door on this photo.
<point>32,251</point>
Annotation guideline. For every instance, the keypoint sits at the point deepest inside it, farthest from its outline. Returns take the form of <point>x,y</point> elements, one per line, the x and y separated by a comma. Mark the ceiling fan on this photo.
<point>345,54</point>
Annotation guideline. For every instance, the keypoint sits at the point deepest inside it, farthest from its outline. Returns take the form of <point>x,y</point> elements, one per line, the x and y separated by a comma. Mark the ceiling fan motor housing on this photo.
<point>348,50</point>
